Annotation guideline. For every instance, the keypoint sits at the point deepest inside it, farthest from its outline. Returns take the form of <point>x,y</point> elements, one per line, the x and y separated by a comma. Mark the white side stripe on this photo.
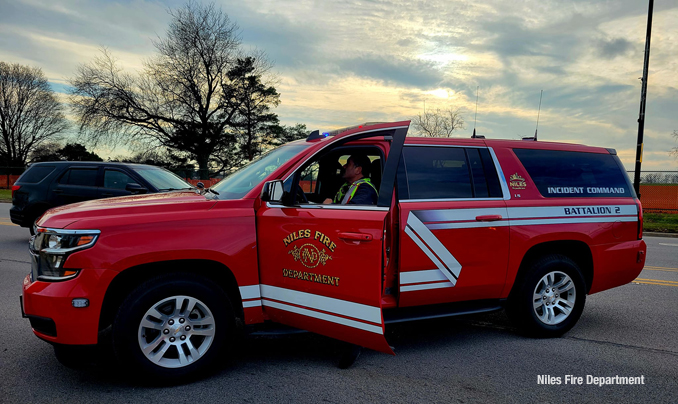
<point>250,292</point>
<point>251,303</point>
<point>426,286</point>
<point>431,275</point>
<point>323,316</point>
<point>562,211</point>
<point>324,303</point>
<point>574,220</point>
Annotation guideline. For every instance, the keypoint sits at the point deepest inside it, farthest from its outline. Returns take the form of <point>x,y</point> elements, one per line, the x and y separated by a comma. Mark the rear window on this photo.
<point>36,174</point>
<point>566,174</point>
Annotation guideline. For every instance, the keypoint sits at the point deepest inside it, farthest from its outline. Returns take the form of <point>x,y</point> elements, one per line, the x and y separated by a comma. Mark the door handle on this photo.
<point>58,191</point>
<point>488,218</point>
<point>355,236</point>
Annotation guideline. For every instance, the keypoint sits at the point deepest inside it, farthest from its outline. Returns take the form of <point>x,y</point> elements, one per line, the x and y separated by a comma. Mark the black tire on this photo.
<point>182,300</point>
<point>549,316</point>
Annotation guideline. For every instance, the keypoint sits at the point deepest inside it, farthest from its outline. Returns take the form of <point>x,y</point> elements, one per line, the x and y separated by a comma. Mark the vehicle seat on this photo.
<point>375,173</point>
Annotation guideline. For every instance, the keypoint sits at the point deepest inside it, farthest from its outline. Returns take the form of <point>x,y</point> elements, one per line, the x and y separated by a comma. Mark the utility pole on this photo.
<point>643,96</point>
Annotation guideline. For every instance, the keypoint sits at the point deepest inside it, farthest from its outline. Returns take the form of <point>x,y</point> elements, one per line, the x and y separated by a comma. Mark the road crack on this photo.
<point>640,348</point>
<point>22,262</point>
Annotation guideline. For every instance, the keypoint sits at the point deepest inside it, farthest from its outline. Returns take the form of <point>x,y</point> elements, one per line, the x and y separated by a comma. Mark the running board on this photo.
<point>403,314</point>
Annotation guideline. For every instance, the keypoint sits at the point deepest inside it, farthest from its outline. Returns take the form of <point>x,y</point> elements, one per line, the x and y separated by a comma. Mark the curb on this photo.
<point>658,234</point>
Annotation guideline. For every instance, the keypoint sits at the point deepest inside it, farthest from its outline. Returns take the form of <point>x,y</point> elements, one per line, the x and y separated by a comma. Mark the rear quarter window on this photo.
<point>567,174</point>
<point>36,174</point>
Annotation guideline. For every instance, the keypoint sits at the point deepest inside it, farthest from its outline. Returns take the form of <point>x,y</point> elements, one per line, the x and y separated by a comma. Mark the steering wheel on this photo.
<point>301,194</point>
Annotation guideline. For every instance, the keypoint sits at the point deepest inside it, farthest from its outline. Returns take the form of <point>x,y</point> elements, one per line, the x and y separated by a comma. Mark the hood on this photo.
<point>165,203</point>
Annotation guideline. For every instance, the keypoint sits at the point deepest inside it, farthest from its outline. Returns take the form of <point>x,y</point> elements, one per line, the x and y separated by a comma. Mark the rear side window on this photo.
<point>574,174</point>
<point>447,173</point>
<point>80,176</point>
<point>36,174</point>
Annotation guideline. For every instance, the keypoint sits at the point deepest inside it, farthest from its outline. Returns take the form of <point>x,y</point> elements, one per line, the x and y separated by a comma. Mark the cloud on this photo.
<point>614,47</point>
<point>363,60</point>
<point>401,71</point>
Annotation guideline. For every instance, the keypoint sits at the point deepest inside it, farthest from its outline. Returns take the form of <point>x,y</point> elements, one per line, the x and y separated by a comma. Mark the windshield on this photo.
<point>162,179</point>
<point>241,182</point>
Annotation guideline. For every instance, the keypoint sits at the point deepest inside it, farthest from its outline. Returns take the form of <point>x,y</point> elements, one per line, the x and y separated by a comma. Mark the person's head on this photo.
<point>357,167</point>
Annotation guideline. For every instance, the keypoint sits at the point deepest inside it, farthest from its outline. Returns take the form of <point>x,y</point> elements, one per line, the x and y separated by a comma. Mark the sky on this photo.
<point>340,63</point>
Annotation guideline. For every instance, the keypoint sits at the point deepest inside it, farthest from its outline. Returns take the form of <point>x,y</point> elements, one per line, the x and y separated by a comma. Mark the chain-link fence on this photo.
<point>658,191</point>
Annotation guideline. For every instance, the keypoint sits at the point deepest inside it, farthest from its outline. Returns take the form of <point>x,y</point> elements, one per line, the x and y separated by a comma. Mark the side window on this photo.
<point>80,176</point>
<point>570,174</point>
<point>437,173</point>
<point>115,179</point>
<point>447,173</point>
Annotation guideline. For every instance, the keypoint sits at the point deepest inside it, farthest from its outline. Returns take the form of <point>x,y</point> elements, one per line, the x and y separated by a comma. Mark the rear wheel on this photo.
<point>173,327</point>
<point>550,299</point>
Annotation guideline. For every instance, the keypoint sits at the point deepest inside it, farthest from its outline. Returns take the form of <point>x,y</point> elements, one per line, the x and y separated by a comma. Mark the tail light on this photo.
<point>640,219</point>
<point>15,188</point>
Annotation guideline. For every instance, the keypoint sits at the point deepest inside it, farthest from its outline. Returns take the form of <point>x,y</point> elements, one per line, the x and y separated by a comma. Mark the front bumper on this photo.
<point>47,303</point>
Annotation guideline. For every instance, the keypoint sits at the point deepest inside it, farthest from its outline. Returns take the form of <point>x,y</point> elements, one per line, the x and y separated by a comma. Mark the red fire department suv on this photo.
<point>460,226</point>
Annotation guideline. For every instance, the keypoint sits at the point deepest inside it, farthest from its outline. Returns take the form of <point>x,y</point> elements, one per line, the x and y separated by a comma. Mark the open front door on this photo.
<point>320,266</point>
<point>320,270</point>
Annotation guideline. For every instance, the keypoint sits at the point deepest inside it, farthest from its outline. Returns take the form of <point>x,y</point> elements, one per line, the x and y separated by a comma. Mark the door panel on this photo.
<point>77,184</point>
<point>321,270</point>
<point>450,252</point>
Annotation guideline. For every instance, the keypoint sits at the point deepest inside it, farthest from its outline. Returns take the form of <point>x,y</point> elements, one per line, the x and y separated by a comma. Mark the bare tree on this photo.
<point>30,113</point>
<point>437,123</point>
<point>674,151</point>
<point>186,98</point>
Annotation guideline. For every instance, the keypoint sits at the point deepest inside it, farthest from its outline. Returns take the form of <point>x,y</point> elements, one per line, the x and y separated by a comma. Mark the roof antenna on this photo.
<point>538,112</point>
<point>475,119</point>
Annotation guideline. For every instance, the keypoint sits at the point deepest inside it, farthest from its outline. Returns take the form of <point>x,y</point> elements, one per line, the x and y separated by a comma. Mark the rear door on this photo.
<point>454,233</point>
<point>76,184</point>
<point>321,265</point>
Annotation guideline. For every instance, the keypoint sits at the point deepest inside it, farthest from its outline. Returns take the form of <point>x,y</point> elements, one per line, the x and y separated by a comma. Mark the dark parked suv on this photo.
<point>55,183</point>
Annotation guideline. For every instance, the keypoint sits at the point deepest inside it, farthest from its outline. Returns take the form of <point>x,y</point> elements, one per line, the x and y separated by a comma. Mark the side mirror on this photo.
<point>272,191</point>
<point>135,188</point>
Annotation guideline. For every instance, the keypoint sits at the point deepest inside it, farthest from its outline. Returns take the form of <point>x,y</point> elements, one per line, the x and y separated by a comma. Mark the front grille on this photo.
<point>43,325</point>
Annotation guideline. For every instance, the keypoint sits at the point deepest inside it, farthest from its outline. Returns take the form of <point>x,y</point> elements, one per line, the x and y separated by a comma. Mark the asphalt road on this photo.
<point>627,331</point>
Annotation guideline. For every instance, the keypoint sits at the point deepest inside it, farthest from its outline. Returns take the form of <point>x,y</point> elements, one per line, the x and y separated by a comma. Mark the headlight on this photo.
<point>51,247</point>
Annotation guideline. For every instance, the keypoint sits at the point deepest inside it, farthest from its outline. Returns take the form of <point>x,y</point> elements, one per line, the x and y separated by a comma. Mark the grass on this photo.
<point>6,195</point>
<point>660,222</point>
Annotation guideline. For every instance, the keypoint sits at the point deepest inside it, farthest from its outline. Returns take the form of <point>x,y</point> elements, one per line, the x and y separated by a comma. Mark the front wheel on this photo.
<point>173,327</point>
<point>550,298</point>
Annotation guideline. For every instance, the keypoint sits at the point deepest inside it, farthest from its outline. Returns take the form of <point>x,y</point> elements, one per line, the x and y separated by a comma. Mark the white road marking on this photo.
<point>673,245</point>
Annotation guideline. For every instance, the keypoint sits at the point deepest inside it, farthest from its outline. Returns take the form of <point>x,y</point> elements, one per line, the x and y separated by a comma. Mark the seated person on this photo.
<point>358,190</point>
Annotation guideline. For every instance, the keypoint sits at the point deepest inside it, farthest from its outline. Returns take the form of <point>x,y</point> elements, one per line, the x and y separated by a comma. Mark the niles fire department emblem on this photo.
<point>309,255</point>
<point>517,182</point>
